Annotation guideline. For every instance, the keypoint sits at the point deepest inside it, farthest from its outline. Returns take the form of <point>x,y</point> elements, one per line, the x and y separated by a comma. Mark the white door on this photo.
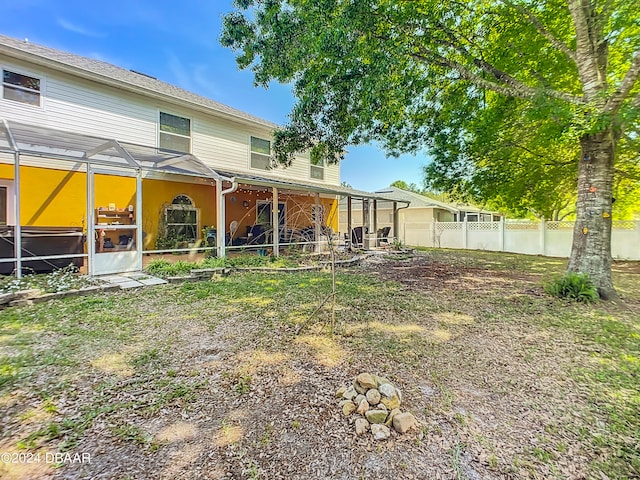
<point>117,235</point>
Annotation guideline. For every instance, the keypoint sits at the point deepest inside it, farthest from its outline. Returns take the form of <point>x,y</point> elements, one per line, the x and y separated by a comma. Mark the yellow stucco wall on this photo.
<point>158,194</point>
<point>57,198</point>
<point>51,197</point>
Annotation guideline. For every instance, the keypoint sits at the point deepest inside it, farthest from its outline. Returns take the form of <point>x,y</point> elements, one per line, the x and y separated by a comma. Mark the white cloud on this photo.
<point>71,27</point>
<point>205,81</point>
<point>194,78</point>
<point>180,73</point>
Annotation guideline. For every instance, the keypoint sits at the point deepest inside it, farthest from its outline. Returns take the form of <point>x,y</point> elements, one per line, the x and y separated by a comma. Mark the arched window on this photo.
<point>182,219</point>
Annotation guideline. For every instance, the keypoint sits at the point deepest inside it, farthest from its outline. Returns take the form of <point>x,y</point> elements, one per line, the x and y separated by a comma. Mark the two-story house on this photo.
<point>134,165</point>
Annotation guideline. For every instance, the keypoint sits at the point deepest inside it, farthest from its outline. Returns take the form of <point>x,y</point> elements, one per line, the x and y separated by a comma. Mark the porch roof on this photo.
<point>306,186</point>
<point>38,141</point>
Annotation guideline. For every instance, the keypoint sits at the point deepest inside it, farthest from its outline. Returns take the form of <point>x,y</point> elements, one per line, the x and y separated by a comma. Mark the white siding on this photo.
<point>77,105</point>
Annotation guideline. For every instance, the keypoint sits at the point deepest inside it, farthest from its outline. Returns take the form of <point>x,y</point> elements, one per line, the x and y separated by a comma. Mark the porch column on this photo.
<point>349,221</point>
<point>396,222</point>
<point>375,221</point>
<point>90,224</point>
<point>317,222</point>
<point>365,223</point>
<point>17,231</point>
<point>365,215</point>
<point>138,214</point>
<point>275,221</point>
<point>219,219</point>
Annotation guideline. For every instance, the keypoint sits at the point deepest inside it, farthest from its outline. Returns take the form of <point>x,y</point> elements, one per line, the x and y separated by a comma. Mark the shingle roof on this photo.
<point>109,74</point>
<point>418,200</point>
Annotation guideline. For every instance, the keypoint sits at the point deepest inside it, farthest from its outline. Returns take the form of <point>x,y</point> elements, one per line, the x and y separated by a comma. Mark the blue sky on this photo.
<point>177,42</point>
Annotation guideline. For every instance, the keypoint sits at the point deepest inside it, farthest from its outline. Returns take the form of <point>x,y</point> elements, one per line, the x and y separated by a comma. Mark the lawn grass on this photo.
<point>519,384</point>
<point>165,268</point>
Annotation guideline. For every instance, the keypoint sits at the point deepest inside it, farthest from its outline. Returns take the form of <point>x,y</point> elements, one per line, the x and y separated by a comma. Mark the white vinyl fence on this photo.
<point>551,239</point>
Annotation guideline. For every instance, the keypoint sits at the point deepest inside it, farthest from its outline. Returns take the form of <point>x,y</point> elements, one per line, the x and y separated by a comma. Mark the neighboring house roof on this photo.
<point>109,74</point>
<point>417,200</point>
<point>422,201</point>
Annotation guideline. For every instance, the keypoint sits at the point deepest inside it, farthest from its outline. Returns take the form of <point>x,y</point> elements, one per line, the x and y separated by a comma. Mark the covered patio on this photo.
<point>102,204</point>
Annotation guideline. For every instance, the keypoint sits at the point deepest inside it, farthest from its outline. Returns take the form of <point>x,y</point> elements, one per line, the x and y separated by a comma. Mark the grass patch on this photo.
<point>569,367</point>
<point>164,268</point>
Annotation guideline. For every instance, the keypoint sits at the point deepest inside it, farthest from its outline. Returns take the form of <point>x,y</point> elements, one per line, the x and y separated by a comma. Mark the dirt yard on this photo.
<point>210,380</point>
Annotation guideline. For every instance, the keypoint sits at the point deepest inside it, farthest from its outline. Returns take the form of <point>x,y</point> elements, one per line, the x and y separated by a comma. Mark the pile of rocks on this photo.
<point>377,403</point>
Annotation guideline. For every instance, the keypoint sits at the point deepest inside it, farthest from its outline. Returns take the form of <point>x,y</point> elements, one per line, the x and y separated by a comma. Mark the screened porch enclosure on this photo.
<point>72,198</point>
<point>104,205</point>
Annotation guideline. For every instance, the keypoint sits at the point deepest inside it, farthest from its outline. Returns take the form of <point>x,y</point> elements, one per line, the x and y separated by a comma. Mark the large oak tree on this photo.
<point>376,70</point>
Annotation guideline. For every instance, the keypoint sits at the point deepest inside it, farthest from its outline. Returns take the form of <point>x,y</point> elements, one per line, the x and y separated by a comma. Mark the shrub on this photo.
<point>213,262</point>
<point>574,286</point>
<point>162,267</point>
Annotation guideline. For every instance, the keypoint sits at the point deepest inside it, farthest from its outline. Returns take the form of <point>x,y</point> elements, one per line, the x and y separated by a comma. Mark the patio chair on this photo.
<point>256,235</point>
<point>233,228</point>
<point>356,236</point>
<point>382,235</point>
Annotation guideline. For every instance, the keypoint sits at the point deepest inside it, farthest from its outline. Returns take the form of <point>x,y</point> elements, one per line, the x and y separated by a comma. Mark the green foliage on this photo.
<point>397,244</point>
<point>410,187</point>
<point>163,267</point>
<point>505,153</point>
<point>382,70</point>
<point>172,241</point>
<point>60,280</point>
<point>574,286</point>
<point>262,261</point>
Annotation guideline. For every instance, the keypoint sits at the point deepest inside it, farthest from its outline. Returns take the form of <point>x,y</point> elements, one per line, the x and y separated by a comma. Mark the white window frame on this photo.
<point>183,207</point>
<point>314,209</point>
<point>26,73</point>
<point>160,131</point>
<point>269,202</point>
<point>251,152</point>
<point>11,196</point>
<point>321,168</point>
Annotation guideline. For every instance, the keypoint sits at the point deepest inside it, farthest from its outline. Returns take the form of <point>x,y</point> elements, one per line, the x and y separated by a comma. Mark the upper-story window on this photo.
<point>175,133</point>
<point>260,153</point>
<point>20,88</point>
<point>317,168</point>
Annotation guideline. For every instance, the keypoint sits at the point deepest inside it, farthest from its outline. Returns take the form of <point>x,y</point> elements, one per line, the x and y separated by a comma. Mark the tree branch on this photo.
<point>625,174</point>
<point>516,145</point>
<point>536,22</point>
<point>631,77</point>
<point>510,86</point>
<point>586,52</point>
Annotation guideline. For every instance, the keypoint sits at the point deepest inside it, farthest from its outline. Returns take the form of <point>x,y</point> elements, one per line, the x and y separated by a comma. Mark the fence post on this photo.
<point>465,233</point>
<point>542,229</point>
<point>501,234</point>
<point>433,234</point>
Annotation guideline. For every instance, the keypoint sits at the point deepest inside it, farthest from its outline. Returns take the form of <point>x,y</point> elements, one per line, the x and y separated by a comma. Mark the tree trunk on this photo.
<point>591,248</point>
